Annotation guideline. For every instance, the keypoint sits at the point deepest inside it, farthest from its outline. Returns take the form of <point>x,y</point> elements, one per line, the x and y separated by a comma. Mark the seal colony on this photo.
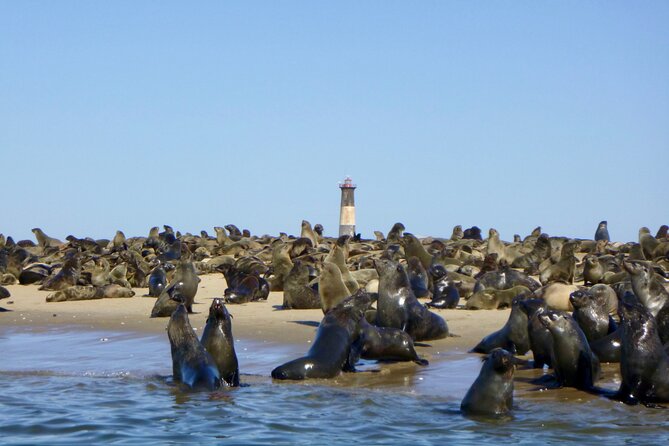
<point>574,303</point>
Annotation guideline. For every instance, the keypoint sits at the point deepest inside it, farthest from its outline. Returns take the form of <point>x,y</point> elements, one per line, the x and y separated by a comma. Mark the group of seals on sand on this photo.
<point>371,289</point>
<point>620,314</point>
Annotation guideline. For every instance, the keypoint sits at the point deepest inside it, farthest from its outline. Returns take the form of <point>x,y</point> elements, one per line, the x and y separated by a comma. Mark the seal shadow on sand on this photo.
<point>307,323</point>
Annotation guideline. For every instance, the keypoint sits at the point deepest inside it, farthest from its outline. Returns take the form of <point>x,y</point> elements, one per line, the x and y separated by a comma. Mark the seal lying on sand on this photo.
<point>492,391</point>
<point>330,351</point>
<point>192,365</point>
<point>218,341</point>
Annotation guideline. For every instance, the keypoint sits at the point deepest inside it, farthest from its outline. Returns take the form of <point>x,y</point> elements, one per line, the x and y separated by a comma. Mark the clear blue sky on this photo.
<point>126,115</point>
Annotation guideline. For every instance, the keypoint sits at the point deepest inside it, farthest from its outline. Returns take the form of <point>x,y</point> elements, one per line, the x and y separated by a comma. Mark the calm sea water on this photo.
<point>67,386</point>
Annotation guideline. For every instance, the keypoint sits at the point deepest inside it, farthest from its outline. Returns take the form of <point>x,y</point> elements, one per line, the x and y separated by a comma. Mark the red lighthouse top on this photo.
<point>348,183</point>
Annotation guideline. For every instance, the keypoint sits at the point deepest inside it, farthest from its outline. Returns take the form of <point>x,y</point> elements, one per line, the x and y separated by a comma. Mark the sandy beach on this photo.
<point>258,321</point>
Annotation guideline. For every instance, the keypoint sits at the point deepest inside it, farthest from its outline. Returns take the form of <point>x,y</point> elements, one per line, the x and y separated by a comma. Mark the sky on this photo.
<point>132,114</point>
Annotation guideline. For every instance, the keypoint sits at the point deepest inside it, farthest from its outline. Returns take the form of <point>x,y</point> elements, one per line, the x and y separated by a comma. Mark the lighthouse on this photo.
<point>347,209</point>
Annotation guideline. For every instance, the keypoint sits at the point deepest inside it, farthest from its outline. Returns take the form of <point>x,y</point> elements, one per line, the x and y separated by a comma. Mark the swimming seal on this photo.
<point>491,394</point>
<point>397,306</point>
<point>574,364</point>
<point>218,341</point>
<point>192,365</point>
<point>330,351</point>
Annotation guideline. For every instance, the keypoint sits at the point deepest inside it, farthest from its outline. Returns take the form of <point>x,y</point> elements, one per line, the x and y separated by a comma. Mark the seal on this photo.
<point>331,287</point>
<point>490,299</point>
<point>218,341</point>
<point>644,364</point>
<point>592,317</point>
<point>34,272</point>
<point>574,364</point>
<point>157,280</point>
<point>513,336</point>
<point>602,232</point>
<point>248,289</point>
<point>395,234</point>
<point>4,294</point>
<point>184,284</point>
<point>418,277</point>
<point>307,232</point>
<point>86,292</point>
<point>539,253</point>
<point>338,257</point>
<point>192,365</point>
<point>397,306</point>
<point>491,394</point>
<point>541,340</point>
<point>67,276</point>
<point>563,270</point>
<point>646,285</point>
<point>445,293</point>
<point>384,344</point>
<point>330,351</point>
<point>473,233</point>
<point>297,291</point>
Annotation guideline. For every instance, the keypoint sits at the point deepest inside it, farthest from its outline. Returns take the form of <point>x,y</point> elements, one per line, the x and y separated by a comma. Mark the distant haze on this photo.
<point>132,114</point>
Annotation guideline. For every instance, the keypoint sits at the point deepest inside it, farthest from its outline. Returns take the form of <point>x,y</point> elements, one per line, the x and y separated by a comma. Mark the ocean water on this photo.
<point>69,386</point>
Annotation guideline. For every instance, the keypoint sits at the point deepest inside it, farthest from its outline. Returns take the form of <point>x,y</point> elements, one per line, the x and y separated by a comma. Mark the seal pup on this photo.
<point>397,306</point>
<point>644,364</point>
<point>574,364</point>
<point>192,365</point>
<point>445,293</point>
<point>491,394</point>
<point>602,232</point>
<point>330,351</point>
<point>513,336</point>
<point>218,341</point>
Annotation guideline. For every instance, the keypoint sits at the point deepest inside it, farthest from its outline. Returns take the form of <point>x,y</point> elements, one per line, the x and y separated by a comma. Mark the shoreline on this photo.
<point>257,321</point>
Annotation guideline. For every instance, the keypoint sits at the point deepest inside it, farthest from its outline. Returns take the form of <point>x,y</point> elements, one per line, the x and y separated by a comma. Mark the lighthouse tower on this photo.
<point>347,210</point>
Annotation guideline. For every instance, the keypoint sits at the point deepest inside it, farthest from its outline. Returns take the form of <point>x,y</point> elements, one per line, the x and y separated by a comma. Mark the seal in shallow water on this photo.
<point>218,341</point>
<point>644,364</point>
<point>330,352</point>
<point>573,362</point>
<point>384,344</point>
<point>492,391</point>
<point>192,365</point>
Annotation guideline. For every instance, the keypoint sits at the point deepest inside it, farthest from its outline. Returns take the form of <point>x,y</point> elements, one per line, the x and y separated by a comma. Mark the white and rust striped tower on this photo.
<point>347,210</point>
